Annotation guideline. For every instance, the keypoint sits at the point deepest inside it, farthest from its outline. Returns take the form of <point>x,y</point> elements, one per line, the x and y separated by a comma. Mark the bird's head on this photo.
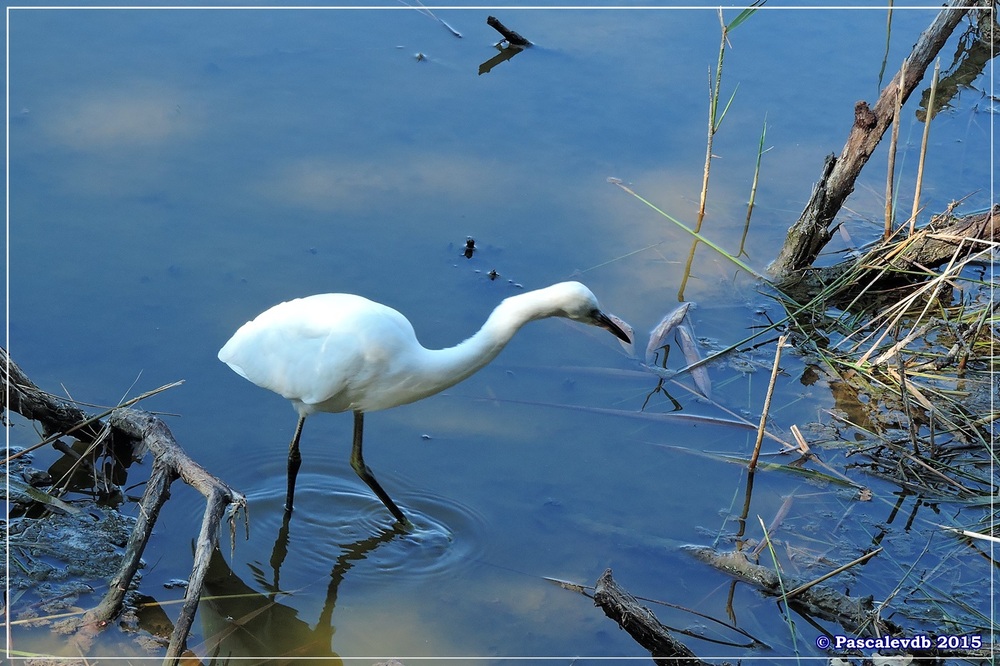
<point>577,302</point>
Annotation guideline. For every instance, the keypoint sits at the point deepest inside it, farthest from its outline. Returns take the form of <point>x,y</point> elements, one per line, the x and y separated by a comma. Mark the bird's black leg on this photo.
<point>294,462</point>
<point>358,463</point>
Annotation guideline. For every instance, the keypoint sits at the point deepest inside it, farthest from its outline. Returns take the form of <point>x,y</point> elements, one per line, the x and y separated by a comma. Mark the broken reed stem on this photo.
<point>937,473</point>
<point>893,141</point>
<point>923,144</point>
<point>767,403</point>
<point>60,486</point>
<point>927,291</point>
<point>905,398</point>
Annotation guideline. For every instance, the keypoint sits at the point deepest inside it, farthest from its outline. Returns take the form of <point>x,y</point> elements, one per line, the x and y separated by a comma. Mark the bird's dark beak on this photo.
<point>613,324</point>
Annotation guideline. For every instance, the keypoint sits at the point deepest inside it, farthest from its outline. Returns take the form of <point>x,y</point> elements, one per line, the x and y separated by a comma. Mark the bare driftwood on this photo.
<point>944,239</point>
<point>641,624</point>
<point>811,232</point>
<point>170,462</point>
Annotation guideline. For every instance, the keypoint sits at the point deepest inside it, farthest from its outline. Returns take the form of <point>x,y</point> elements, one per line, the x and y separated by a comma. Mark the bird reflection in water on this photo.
<point>240,621</point>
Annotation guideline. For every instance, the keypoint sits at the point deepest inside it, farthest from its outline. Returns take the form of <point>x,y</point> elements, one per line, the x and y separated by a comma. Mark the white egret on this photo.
<point>340,352</point>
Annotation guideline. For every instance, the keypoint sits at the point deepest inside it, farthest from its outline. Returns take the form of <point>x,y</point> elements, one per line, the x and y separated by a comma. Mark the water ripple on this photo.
<point>338,522</point>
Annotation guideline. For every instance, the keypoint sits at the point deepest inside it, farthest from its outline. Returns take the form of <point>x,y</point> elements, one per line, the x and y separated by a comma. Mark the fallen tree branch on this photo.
<point>170,463</point>
<point>641,624</point>
<point>812,230</point>
<point>945,239</point>
<point>54,414</point>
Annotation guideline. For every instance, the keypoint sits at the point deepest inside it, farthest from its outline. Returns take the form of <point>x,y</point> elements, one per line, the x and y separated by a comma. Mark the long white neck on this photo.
<point>442,368</point>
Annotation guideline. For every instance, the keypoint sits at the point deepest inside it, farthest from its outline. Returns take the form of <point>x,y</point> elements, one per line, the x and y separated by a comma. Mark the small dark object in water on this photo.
<point>493,275</point>
<point>512,37</point>
<point>470,247</point>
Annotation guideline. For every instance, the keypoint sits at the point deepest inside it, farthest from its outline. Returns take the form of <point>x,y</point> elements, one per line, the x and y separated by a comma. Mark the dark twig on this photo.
<point>641,624</point>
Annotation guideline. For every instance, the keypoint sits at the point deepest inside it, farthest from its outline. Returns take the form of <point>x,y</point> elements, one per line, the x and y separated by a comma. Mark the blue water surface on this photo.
<point>175,172</point>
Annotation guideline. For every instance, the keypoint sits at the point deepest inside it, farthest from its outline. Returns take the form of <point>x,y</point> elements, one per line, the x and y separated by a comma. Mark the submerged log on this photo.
<point>856,616</point>
<point>811,232</point>
<point>170,463</point>
<point>641,624</point>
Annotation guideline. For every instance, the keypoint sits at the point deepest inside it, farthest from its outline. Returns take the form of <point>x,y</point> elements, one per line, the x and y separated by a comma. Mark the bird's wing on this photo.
<point>324,350</point>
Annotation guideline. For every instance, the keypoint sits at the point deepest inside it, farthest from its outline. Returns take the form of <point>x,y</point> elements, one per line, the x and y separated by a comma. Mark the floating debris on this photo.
<point>511,44</point>
<point>692,356</point>
<point>658,338</point>
<point>509,35</point>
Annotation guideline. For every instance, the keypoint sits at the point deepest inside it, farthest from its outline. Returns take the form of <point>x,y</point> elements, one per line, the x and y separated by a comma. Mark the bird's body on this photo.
<point>312,352</point>
<point>342,352</point>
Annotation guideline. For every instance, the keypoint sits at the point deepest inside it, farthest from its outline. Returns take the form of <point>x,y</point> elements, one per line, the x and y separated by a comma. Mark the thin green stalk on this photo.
<point>694,233</point>
<point>753,190</point>
<point>781,582</point>
<point>714,122</point>
<point>885,54</point>
<point>714,117</point>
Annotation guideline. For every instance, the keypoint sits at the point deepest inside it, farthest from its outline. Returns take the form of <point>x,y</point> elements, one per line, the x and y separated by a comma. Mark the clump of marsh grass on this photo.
<point>923,356</point>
